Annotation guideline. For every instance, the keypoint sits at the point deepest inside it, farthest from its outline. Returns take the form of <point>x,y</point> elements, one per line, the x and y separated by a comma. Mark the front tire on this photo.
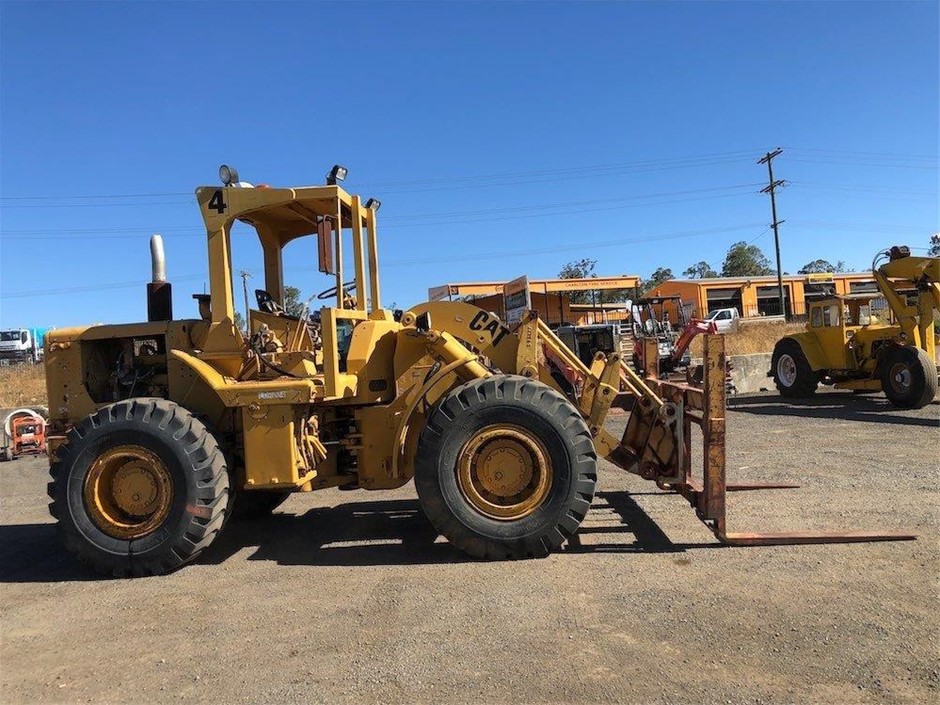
<point>793,375</point>
<point>505,468</point>
<point>908,377</point>
<point>139,488</point>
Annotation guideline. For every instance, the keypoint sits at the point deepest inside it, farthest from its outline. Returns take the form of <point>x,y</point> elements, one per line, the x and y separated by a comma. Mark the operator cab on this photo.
<point>839,322</point>
<point>304,341</point>
<point>848,311</point>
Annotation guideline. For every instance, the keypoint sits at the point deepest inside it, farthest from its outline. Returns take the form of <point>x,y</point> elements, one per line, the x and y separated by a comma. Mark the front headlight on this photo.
<point>228,175</point>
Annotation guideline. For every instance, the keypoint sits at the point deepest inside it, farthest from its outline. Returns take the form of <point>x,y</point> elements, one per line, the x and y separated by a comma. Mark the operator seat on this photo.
<point>267,303</point>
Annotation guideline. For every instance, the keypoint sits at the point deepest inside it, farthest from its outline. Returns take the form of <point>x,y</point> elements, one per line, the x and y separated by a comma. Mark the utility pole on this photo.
<point>771,189</point>
<point>245,277</point>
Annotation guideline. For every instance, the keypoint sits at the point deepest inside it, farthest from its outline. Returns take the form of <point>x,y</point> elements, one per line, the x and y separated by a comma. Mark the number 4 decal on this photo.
<point>217,202</point>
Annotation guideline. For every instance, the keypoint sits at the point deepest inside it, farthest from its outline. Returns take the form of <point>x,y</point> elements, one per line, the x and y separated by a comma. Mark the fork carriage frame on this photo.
<point>657,440</point>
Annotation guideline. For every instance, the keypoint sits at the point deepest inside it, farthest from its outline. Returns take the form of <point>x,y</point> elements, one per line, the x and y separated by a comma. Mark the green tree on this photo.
<point>579,269</point>
<point>293,305</point>
<point>240,322</point>
<point>584,269</point>
<point>662,274</point>
<point>700,270</point>
<point>934,250</point>
<point>820,266</point>
<point>744,260</point>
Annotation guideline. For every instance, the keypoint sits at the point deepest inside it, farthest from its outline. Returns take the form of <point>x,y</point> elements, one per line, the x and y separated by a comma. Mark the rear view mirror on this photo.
<point>325,246</point>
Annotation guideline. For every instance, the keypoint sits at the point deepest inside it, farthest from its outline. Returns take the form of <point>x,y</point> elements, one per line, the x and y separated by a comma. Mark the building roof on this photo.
<point>607,306</point>
<point>536,286</point>
<point>772,278</point>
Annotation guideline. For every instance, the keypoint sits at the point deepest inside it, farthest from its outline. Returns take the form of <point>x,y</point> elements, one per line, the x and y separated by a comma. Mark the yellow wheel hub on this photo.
<point>128,492</point>
<point>504,472</point>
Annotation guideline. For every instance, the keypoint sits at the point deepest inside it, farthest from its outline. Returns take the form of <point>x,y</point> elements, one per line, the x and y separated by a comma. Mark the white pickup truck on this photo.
<point>725,319</point>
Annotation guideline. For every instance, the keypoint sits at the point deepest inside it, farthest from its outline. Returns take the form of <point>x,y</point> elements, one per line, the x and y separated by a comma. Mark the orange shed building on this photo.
<point>551,298</point>
<point>758,296</point>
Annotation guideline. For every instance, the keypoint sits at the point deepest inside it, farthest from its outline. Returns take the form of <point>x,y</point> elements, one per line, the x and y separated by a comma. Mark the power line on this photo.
<point>91,287</point>
<point>541,206</point>
<point>673,162</point>
<point>88,236</point>
<point>865,154</point>
<point>111,195</point>
<point>128,228</point>
<point>763,232</point>
<point>854,162</point>
<point>394,263</point>
<point>874,227</point>
<point>565,172</point>
<point>574,247</point>
<point>560,213</point>
<point>485,184</point>
<point>467,217</point>
<point>499,183</point>
<point>472,181</point>
<point>859,187</point>
<point>192,230</point>
<point>94,205</point>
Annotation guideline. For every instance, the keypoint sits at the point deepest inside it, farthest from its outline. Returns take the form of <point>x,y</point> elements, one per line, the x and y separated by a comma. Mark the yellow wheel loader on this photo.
<point>161,431</point>
<point>850,341</point>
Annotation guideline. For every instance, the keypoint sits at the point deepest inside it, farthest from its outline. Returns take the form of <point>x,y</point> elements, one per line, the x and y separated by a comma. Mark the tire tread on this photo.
<point>548,403</point>
<point>207,462</point>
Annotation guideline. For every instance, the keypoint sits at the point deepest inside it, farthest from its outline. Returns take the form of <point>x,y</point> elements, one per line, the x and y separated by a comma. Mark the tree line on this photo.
<point>743,259</point>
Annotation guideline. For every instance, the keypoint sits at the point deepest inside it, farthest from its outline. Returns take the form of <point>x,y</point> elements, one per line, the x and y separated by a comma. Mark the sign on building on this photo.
<point>517,299</point>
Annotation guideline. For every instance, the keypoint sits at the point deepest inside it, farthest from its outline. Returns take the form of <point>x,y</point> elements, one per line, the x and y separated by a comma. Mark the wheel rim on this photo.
<point>900,376</point>
<point>128,491</point>
<point>504,472</point>
<point>786,370</point>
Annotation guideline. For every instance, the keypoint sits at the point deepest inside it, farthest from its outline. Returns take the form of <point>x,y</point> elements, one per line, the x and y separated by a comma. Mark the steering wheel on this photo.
<point>331,292</point>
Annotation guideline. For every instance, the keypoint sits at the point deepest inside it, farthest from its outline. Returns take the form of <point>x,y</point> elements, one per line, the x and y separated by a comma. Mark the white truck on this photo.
<point>725,319</point>
<point>21,345</point>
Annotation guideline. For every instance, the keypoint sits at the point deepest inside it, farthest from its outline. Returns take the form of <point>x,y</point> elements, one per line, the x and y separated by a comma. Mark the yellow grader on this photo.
<point>161,431</point>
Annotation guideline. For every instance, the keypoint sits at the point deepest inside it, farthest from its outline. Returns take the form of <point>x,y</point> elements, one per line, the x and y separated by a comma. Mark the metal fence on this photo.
<point>767,308</point>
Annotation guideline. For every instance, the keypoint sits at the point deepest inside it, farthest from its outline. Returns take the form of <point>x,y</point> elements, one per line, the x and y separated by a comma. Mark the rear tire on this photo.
<point>793,375</point>
<point>152,452</point>
<point>515,431</point>
<point>908,377</point>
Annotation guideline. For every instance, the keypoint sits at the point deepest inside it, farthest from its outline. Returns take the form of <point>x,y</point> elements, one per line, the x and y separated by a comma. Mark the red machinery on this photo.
<point>672,353</point>
<point>25,434</point>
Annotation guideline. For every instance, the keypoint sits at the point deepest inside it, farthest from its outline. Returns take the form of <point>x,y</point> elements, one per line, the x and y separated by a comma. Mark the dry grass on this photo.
<point>753,337</point>
<point>22,385</point>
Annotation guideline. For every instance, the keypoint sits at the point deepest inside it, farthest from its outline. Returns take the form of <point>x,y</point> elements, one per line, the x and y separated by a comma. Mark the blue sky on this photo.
<point>501,138</point>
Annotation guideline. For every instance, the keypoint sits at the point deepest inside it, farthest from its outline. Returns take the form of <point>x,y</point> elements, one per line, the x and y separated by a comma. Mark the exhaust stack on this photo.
<point>157,259</point>
<point>159,290</point>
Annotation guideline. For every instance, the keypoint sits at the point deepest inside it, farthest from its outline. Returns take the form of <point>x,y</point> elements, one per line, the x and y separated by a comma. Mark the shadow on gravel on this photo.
<point>848,407</point>
<point>648,537</point>
<point>396,533</point>
<point>392,532</point>
<point>32,553</point>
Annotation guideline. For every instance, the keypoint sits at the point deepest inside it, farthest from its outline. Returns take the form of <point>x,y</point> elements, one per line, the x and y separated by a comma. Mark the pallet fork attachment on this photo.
<point>656,444</point>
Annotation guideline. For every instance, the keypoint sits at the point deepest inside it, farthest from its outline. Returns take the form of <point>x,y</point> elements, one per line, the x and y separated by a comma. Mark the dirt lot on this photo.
<point>349,597</point>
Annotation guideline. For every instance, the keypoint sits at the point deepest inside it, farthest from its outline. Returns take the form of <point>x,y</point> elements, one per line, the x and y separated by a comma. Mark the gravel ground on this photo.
<point>349,597</point>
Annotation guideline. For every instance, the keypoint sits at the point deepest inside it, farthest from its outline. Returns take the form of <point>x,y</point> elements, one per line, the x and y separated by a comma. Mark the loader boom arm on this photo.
<point>657,441</point>
<point>923,273</point>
